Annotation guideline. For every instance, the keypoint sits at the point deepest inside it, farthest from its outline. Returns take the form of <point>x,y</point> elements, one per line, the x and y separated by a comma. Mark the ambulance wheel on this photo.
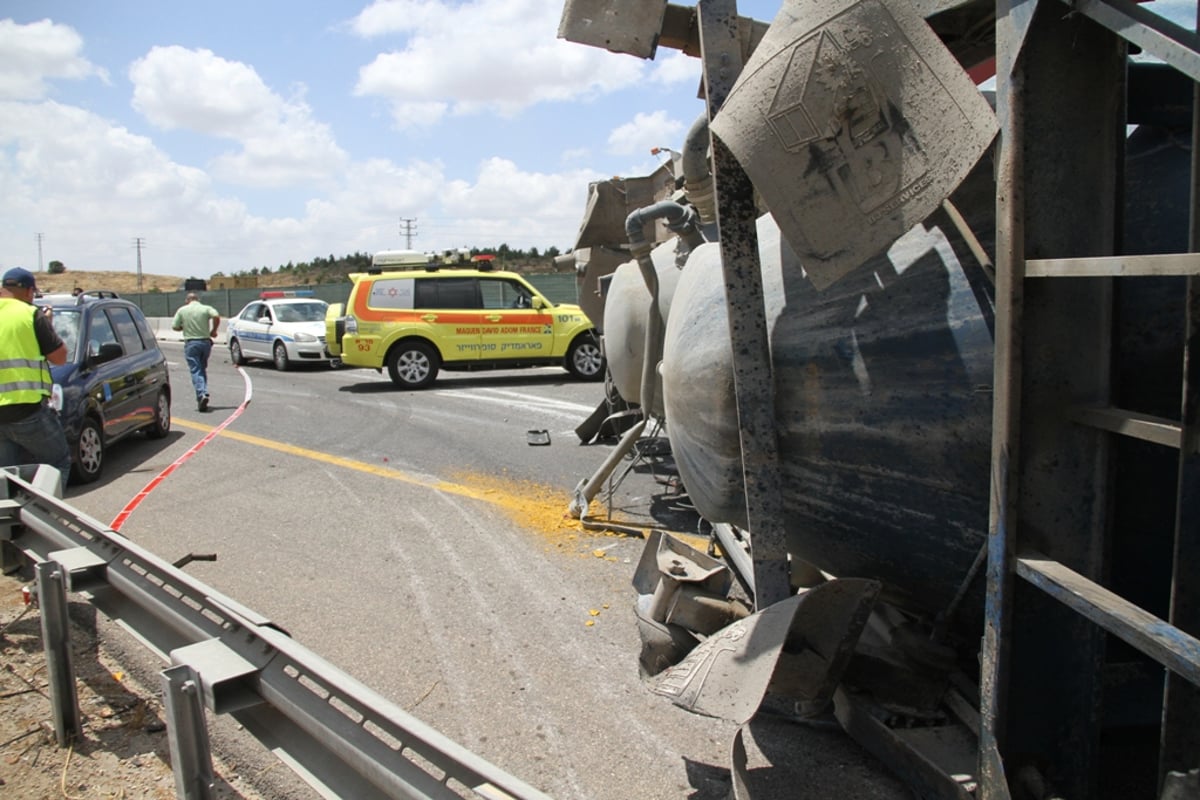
<point>584,359</point>
<point>412,364</point>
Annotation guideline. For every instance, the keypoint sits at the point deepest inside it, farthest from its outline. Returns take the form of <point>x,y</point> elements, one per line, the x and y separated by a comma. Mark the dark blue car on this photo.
<point>115,380</point>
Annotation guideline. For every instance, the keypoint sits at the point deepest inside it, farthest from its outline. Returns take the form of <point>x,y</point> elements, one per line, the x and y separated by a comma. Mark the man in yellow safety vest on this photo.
<point>30,431</point>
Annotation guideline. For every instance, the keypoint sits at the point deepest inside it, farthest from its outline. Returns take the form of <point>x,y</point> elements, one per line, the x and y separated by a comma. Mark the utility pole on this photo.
<point>138,241</point>
<point>39,241</point>
<point>408,229</point>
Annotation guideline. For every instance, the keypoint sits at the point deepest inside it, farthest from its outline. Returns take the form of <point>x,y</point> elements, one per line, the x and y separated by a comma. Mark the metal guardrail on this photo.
<point>334,732</point>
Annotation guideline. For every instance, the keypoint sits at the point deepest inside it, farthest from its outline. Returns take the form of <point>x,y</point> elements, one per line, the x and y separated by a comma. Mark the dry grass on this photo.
<point>119,282</point>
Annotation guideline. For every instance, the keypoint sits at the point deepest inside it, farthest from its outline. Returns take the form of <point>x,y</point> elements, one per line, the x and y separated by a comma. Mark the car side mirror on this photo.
<point>109,351</point>
<point>265,320</point>
<point>540,303</point>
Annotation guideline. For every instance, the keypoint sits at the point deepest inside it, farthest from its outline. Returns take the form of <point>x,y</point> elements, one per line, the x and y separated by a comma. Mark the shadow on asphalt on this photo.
<point>474,380</point>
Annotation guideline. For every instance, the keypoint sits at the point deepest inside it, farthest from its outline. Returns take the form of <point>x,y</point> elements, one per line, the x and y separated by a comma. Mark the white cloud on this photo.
<point>674,68</point>
<point>120,183</point>
<point>645,131</point>
<point>507,204</point>
<point>32,55</point>
<point>575,154</point>
<point>385,17</point>
<point>498,56</point>
<point>93,192</point>
<point>198,91</point>
<point>91,187</point>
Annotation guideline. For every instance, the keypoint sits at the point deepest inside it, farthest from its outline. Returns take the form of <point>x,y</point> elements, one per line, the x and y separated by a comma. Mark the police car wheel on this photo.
<point>584,359</point>
<point>412,365</point>
<point>280,357</point>
<point>89,451</point>
<point>235,353</point>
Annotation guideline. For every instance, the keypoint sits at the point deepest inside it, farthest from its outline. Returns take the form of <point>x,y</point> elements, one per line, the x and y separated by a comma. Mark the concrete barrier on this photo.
<point>163,333</point>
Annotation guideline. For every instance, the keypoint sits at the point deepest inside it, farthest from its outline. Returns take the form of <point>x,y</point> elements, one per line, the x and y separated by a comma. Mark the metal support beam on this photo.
<point>187,734</point>
<point>752,374</point>
<point>1114,266</point>
<point>1010,277</point>
<point>1041,670</point>
<point>1180,742</point>
<point>56,639</point>
<point>1136,425</point>
<point>1169,646</point>
<point>1157,36</point>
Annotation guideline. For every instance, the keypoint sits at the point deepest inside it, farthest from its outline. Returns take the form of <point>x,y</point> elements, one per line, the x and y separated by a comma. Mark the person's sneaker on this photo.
<point>203,402</point>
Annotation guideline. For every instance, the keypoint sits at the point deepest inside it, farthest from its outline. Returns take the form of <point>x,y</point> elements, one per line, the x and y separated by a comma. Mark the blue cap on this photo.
<point>20,277</point>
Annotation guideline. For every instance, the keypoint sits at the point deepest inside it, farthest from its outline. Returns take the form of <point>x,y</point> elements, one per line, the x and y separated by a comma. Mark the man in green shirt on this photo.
<point>199,324</point>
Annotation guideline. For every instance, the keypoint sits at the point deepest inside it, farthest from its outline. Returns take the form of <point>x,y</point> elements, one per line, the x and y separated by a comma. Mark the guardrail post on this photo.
<point>187,733</point>
<point>56,639</point>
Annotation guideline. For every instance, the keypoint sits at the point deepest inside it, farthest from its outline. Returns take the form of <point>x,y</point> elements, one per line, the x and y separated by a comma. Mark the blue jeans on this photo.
<point>197,351</point>
<point>37,439</point>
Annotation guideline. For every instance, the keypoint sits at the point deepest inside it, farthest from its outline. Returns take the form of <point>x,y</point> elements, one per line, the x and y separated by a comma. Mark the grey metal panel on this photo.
<point>854,122</point>
<point>622,26</point>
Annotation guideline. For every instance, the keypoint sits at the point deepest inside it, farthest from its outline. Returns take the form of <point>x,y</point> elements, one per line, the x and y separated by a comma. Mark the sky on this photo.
<point>222,137</point>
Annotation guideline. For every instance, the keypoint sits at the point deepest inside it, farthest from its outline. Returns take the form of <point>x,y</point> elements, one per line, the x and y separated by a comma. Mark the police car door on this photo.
<point>254,336</point>
<point>510,322</point>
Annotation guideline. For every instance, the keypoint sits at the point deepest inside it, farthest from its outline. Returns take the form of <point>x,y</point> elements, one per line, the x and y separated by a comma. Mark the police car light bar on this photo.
<point>296,293</point>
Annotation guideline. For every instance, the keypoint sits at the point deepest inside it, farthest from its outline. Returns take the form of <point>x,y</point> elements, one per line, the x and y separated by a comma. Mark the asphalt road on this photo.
<point>417,540</point>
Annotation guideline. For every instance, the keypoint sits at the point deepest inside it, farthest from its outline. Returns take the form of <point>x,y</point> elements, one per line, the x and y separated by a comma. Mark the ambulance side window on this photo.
<point>447,293</point>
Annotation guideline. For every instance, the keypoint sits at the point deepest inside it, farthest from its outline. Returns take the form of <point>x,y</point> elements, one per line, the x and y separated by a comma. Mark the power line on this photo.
<point>138,241</point>
<point>408,229</point>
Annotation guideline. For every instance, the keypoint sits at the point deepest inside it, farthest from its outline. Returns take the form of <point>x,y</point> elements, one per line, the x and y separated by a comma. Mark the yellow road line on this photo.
<point>348,463</point>
<point>520,507</point>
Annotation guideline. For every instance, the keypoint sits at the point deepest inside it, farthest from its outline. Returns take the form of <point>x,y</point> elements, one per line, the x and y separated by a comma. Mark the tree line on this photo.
<point>333,268</point>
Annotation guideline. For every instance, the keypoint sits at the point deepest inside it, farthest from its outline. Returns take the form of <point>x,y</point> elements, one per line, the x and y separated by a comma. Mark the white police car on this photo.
<point>285,327</point>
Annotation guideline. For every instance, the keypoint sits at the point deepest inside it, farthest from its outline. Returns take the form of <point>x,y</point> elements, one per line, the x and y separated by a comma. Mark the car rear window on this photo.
<point>447,293</point>
<point>143,327</point>
<point>127,331</point>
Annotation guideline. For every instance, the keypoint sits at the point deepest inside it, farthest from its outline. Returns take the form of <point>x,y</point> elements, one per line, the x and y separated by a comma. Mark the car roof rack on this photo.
<point>96,294</point>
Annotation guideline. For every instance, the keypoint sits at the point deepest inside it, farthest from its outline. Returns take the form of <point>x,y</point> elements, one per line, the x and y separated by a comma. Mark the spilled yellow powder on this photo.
<point>534,506</point>
<point>543,509</point>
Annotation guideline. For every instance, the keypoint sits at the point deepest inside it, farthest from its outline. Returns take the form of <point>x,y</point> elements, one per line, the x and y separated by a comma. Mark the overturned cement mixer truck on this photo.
<point>869,148</point>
